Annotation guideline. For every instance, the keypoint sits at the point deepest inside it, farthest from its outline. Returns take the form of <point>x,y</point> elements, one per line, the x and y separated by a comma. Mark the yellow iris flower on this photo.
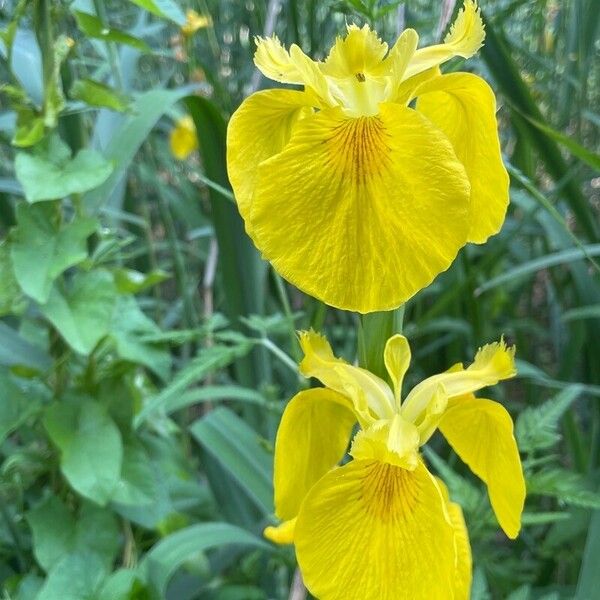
<point>183,139</point>
<point>382,527</point>
<point>354,195</point>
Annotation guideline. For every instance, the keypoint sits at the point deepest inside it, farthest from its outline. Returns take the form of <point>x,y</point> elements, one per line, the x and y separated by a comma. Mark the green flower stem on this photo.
<point>373,332</point>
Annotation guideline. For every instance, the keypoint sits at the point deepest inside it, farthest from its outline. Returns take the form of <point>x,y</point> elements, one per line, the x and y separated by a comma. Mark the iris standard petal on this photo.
<point>493,363</point>
<point>481,433</point>
<point>259,129</point>
<point>312,438</point>
<point>465,37</point>
<point>463,106</point>
<point>362,212</point>
<point>396,356</point>
<point>335,373</point>
<point>371,531</point>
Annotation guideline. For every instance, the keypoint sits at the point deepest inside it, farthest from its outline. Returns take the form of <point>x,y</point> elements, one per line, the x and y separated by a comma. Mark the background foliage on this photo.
<point>146,352</point>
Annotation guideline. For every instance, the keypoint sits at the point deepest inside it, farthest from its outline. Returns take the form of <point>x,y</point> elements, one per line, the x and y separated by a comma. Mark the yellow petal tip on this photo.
<point>468,31</point>
<point>281,534</point>
<point>497,357</point>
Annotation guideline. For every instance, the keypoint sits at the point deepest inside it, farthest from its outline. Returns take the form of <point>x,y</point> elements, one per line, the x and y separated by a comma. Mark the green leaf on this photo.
<point>54,98</point>
<point>172,552</point>
<point>96,93</point>
<point>11,297</point>
<point>567,486</point>
<point>75,577</point>
<point>539,264</point>
<point>17,405</point>
<point>582,312</point>
<point>129,136</point>
<point>123,584</point>
<point>162,8</point>
<point>83,312</point>
<point>15,351</point>
<point>42,249</point>
<point>129,326</point>
<point>216,393</point>
<point>537,427</point>
<point>209,360</point>
<point>129,281</point>
<point>90,445</point>
<point>137,485</point>
<point>93,27</point>
<point>50,173</point>
<point>57,532</point>
<point>30,128</point>
<point>240,451</point>
<point>589,575</point>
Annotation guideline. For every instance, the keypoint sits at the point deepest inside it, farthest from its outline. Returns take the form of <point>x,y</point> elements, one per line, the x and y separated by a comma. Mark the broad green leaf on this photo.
<point>98,94</point>
<point>77,576</point>
<point>163,8</point>
<point>137,485</point>
<point>90,445</point>
<point>82,312</point>
<point>15,351</point>
<point>11,297</point>
<point>29,587</point>
<point>240,451</point>
<point>123,584</point>
<point>129,325</point>
<point>42,249</point>
<point>93,27</point>
<point>160,564</point>
<point>56,532</point>
<point>17,405</point>
<point>49,173</point>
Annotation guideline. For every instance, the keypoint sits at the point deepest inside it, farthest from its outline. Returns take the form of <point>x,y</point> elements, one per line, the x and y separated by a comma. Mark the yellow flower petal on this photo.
<point>359,52</point>
<point>274,61</point>
<point>338,375</point>
<point>396,356</point>
<point>492,363</point>
<point>194,22</point>
<point>463,106</point>
<point>370,531</point>
<point>312,438</point>
<point>399,59</point>
<point>481,433</point>
<point>464,560</point>
<point>394,441</point>
<point>292,66</point>
<point>281,534</point>
<point>259,129</point>
<point>362,212</point>
<point>183,140</point>
<point>464,39</point>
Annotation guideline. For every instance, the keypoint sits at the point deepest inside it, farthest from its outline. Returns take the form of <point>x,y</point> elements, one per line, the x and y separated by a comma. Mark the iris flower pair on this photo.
<point>381,526</point>
<point>362,186</point>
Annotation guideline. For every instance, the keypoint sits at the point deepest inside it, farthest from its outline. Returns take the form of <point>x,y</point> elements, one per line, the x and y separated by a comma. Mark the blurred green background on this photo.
<point>146,352</point>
